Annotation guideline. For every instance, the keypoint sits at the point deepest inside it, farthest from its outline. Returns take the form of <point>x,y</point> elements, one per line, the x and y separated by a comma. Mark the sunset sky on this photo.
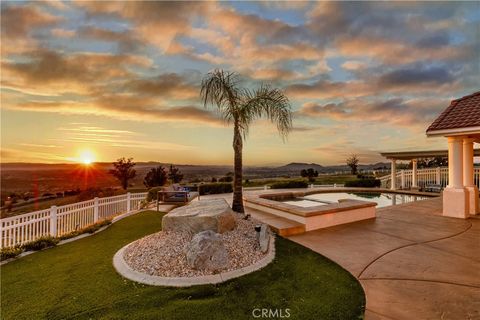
<point>103,80</point>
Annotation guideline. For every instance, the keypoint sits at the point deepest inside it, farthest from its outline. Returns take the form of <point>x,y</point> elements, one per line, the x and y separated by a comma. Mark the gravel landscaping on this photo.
<point>163,253</point>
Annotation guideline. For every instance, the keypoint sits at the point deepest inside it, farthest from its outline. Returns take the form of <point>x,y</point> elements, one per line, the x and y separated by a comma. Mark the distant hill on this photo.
<point>296,167</point>
<point>299,166</point>
<point>41,178</point>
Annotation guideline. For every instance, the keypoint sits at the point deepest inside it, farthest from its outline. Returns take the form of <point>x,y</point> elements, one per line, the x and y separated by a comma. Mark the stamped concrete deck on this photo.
<point>412,262</point>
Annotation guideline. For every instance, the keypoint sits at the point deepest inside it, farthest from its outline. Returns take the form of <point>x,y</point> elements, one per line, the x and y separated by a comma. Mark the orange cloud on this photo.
<point>156,22</point>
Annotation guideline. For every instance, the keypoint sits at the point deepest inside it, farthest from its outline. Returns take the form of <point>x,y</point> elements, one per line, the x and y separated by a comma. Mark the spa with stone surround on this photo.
<point>319,216</point>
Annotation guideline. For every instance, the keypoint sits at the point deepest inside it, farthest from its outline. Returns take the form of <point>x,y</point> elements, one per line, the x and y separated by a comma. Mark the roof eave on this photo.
<point>453,132</point>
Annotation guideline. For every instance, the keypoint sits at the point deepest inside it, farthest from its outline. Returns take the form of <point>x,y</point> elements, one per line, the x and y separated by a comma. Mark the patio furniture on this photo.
<point>176,194</point>
<point>433,188</point>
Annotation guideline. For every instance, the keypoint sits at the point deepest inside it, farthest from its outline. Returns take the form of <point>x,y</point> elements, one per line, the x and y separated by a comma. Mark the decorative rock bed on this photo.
<point>161,259</point>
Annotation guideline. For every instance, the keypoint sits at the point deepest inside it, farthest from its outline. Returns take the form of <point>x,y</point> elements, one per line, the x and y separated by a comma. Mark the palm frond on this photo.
<point>270,103</point>
<point>220,88</point>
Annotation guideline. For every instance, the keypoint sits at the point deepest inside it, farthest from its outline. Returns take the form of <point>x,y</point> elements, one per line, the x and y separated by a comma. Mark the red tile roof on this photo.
<point>462,113</point>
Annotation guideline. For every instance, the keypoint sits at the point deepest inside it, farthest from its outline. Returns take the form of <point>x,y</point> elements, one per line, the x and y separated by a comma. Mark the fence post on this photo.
<point>265,187</point>
<point>95,210</point>
<point>53,221</point>
<point>128,201</point>
<point>438,176</point>
<point>403,178</point>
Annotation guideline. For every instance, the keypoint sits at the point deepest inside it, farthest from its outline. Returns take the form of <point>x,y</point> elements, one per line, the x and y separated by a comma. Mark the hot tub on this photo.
<point>323,208</point>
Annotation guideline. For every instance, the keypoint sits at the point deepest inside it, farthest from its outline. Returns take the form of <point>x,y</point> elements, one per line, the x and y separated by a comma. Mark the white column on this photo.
<point>402,179</point>
<point>455,163</point>
<point>414,174</point>
<point>455,196</point>
<point>53,221</point>
<point>468,176</point>
<point>393,176</point>
<point>468,162</point>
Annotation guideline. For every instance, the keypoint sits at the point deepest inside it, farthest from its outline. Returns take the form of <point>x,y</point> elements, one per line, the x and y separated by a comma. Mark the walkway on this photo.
<point>412,262</point>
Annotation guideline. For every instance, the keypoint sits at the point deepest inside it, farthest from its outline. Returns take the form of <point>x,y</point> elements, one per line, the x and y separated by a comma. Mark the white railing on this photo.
<point>267,187</point>
<point>425,177</point>
<point>57,221</point>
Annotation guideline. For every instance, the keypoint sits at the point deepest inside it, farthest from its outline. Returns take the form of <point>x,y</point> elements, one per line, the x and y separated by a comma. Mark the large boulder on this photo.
<point>215,215</point>
<point>207,252</point>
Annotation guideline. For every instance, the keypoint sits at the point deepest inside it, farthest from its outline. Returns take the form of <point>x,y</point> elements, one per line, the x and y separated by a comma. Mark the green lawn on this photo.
<point>77,280</point>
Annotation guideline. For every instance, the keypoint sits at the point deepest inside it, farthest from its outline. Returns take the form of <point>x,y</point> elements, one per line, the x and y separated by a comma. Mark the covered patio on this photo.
<point>460,124</point>
<point>418,178</point>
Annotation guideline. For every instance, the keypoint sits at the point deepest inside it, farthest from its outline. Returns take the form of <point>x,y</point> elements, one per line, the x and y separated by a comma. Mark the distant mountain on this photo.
<point>298,166</point>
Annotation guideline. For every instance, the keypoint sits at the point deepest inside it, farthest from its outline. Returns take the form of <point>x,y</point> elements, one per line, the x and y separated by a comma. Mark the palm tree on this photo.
<point>241,106</point>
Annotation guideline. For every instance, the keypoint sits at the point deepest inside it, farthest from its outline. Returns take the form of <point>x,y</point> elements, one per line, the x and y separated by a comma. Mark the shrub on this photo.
<point>289,184</point>
<point>216,188</point>
<point>11,252</point>
<point>152,193</point>
<point>40,243</point>
<point>363,183</point>
<point>94,227</point>
<point>90,229</point>
<point>226,179</point>
<point>70,235</point>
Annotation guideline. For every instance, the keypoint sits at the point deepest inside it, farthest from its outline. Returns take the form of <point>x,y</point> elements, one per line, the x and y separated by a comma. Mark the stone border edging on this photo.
<point>125,271</point>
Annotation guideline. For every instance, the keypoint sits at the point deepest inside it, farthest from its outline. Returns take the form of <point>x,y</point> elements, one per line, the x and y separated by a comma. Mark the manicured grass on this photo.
<point>77,280</point>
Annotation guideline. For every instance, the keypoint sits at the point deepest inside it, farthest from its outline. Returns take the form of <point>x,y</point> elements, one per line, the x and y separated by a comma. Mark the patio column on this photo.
<point>414,174</point>
<point>393,176</point>
<point>468,182</point>
<point>455,195</point>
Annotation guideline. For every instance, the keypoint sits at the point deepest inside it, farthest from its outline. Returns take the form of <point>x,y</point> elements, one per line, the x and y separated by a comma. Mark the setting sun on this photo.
<point>86,157</point>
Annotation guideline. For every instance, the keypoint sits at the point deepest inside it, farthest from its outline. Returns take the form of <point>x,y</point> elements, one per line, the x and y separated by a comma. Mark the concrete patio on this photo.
<point>412,262</point>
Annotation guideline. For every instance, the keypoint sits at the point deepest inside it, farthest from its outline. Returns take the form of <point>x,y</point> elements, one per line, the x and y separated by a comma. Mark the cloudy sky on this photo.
<point>111,79</point>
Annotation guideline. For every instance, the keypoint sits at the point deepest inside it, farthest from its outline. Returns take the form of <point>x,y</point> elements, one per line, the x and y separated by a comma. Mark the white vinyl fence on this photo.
<point>61,220</point>
<point>267,187</point>
<point>425,177</point>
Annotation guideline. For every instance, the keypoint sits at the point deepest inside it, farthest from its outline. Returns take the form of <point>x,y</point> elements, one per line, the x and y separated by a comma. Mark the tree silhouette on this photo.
<point>309,173</point>
<point>174,174</point>
<point>240,107</point>
<point>155,177</point>
<point>123,171</point>
<point>352,162</point>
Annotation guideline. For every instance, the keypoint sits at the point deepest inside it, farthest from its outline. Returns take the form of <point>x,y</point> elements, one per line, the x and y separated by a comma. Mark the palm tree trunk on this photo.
<point>237,205</point>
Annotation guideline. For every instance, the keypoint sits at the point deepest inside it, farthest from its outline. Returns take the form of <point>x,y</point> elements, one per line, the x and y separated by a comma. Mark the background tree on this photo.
<point>156,177</point>
<point>430,162</point>
<point>174,174</point>
<point>123,171</point>
<point>240,107</point>
<point>352,162</point>
<point>227,178</point>
<point>309,173</point>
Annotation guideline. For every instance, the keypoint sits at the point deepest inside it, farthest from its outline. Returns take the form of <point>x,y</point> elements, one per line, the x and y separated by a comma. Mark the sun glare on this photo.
<point>86,157</point>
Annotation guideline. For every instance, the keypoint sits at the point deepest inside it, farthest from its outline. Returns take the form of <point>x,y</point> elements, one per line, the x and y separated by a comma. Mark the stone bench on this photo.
<point>214,214</point>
